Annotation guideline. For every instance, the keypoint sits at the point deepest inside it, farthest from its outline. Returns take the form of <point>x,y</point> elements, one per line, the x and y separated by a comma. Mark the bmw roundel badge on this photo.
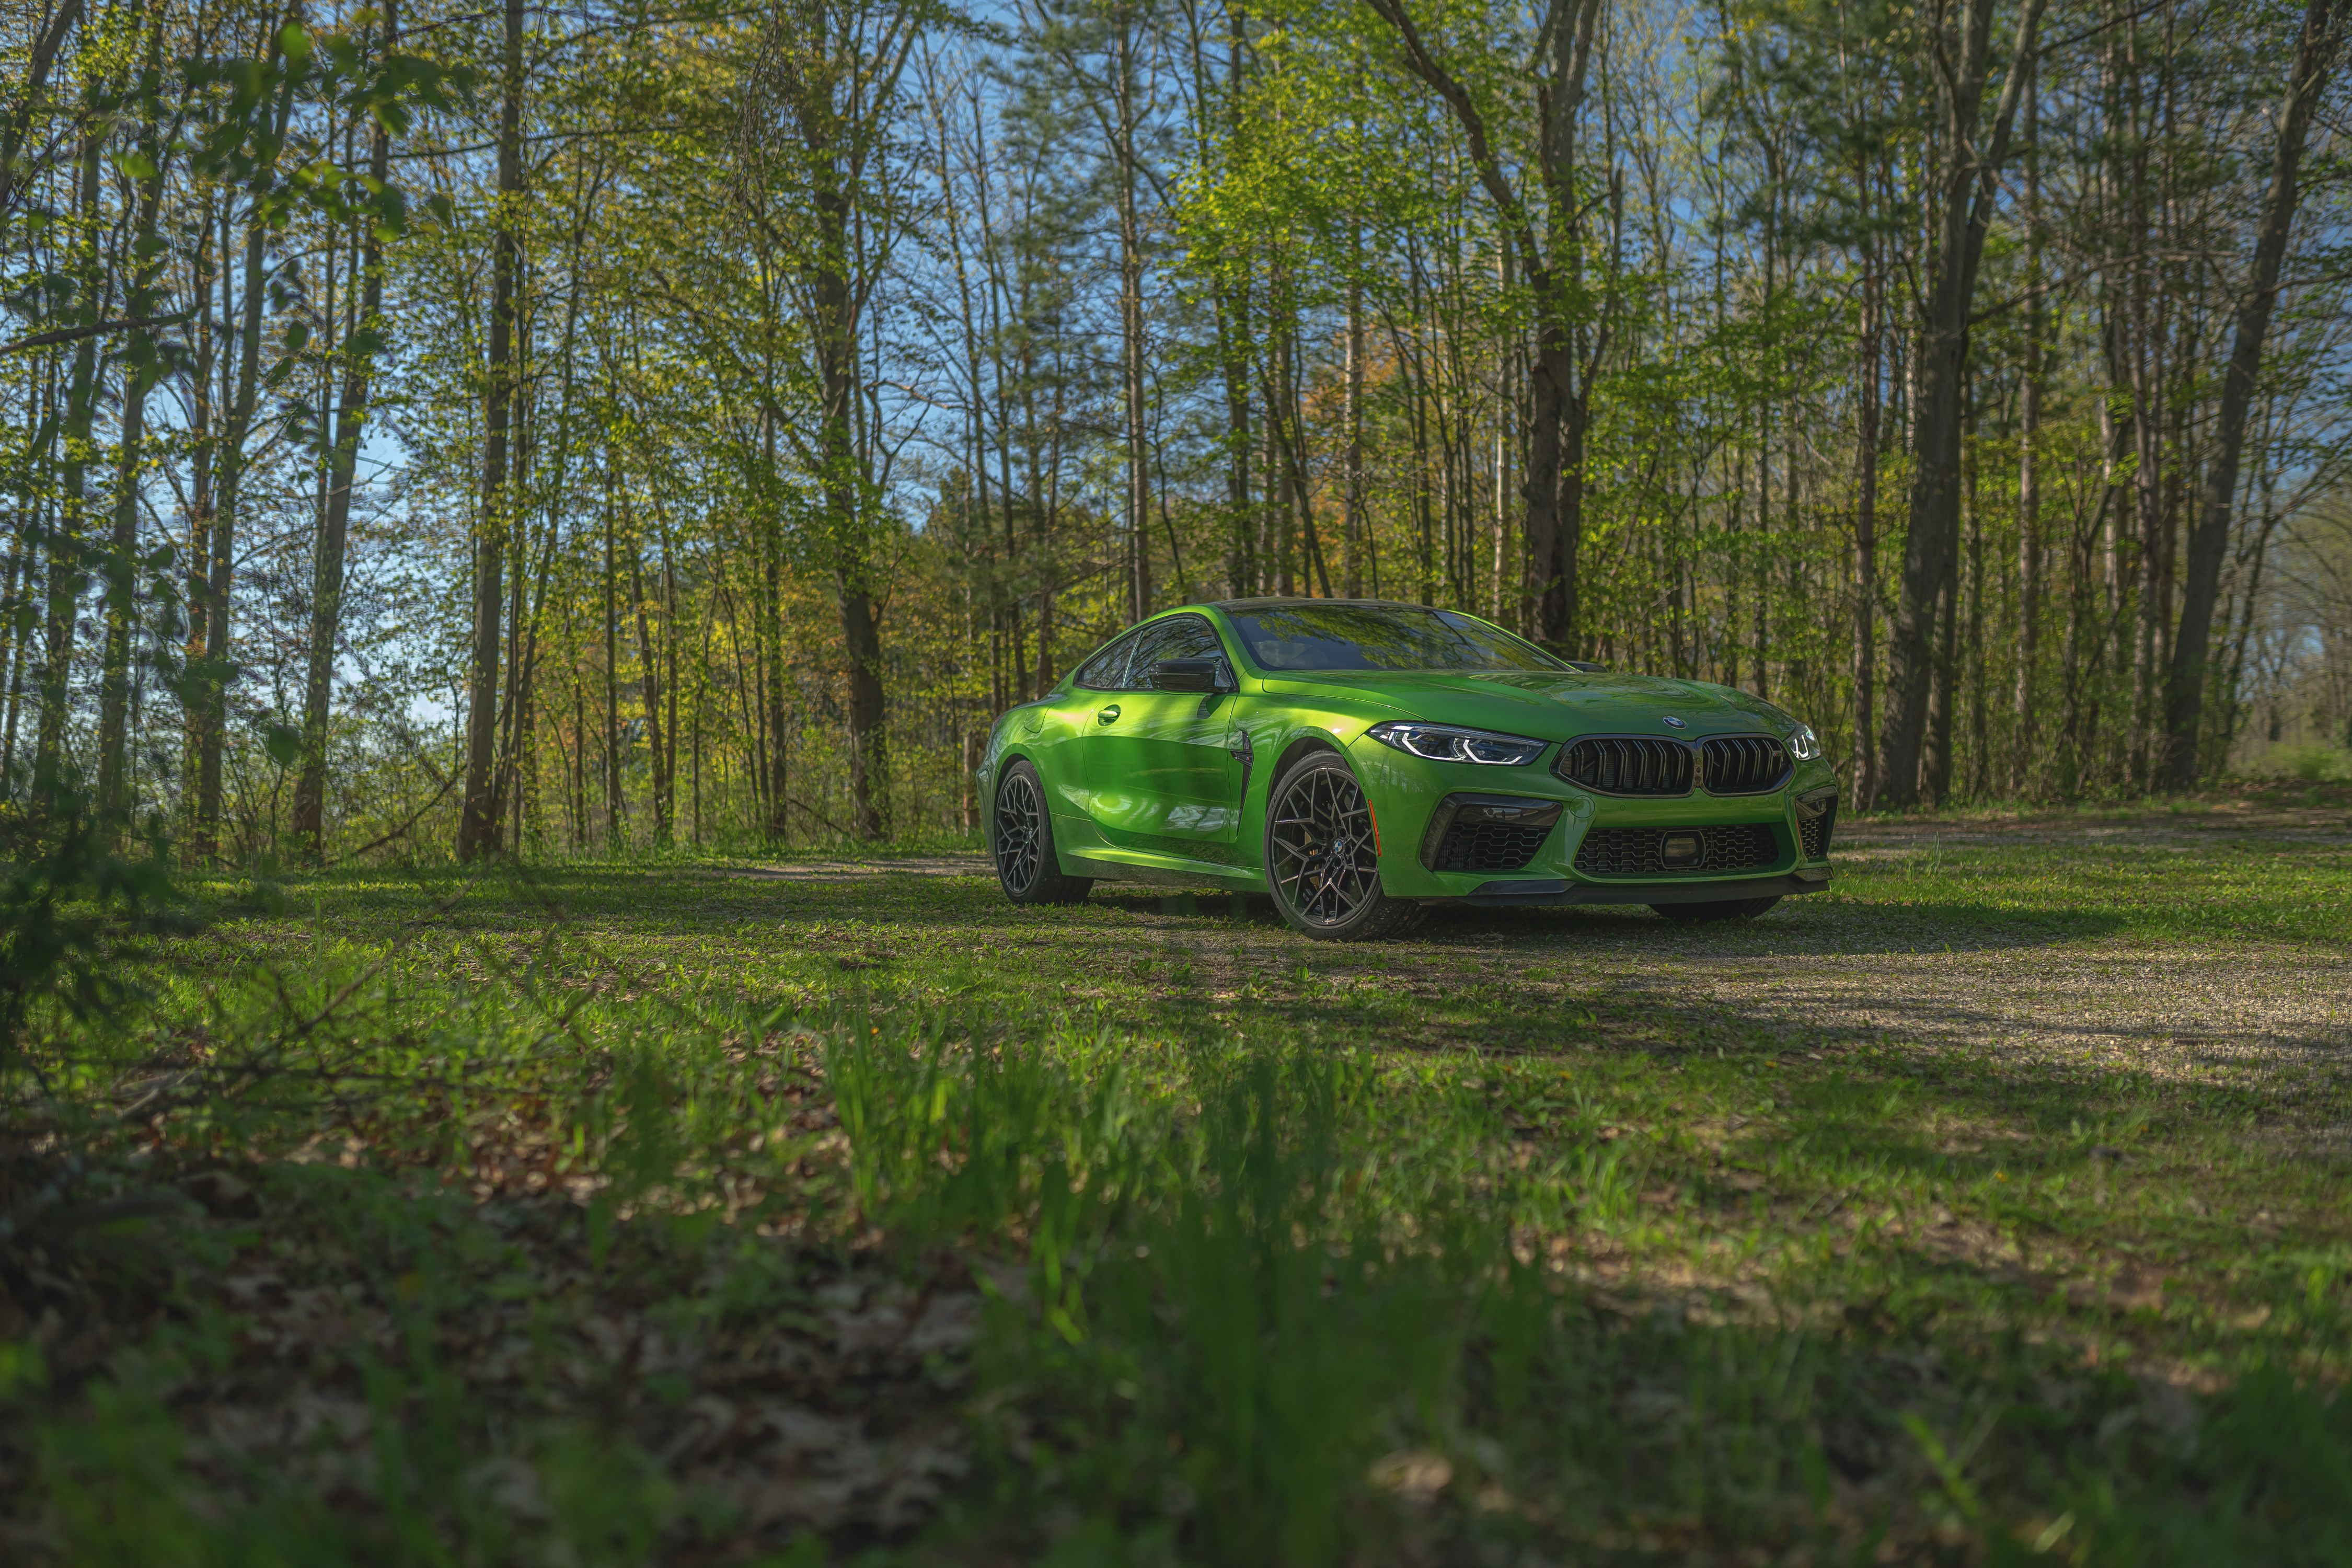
<point>1675,723</point>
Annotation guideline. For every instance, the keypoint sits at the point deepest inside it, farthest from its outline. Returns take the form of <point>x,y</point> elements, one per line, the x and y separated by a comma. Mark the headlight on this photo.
<point>1451,743</point>
<point>1804,745</point>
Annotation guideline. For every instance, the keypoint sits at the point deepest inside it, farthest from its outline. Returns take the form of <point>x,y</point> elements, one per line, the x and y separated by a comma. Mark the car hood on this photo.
<point>1543,704</point>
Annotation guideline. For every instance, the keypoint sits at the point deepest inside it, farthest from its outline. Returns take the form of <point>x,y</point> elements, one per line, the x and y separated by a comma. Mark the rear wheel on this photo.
<point>1320,858</point>
<point>1723,910</point>
<point>1023,833</point>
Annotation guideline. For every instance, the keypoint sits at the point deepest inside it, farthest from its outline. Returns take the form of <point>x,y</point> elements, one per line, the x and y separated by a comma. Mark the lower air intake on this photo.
<point>1487,832</point>
<point>1663,851</point>
<point>1816,820</point>
<point>1488,846</point>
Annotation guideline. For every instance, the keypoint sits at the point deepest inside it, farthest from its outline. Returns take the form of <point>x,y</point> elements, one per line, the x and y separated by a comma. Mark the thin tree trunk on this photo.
<point>1131,344</point>
<point>669,688</point>
<point>650,687</point>
<point>1866,541</point>
<point>478,829</point>
<point>1352,492</point>
<point>1762,609</point>
<point>2029,457</point>
<point>615,804</point>
<point>213,678</point>
<point>209,267</point>
<point>2323,27</point>
<point>334,529</point>
<point>1936,747</point>
<point>1979,758</point>
<point>1243,569</point>
<point>68,571</point>
<point>121,566</point>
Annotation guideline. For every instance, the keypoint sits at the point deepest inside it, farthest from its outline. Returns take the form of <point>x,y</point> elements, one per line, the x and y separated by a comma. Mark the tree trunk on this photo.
<point>1769,391</point>
<point>1352,493</point>
<point>1131,344</point>
<point>649,687</point>
<point>669,688</point>
<point>1967,201</point>
<point>1548,390</point>
<point>1559,398</point>
<point>142,373</point>
<point>1865,543</point>
<point>212,683</point>
<point>615,804</point>
<point>209,266</point>
<point>840,482</point>
<point>334,527</point>
<point>1242,566</point>
<point>1979,741</point>
<point>1281,455</point>
<point>2029,476</point>
<point>1936,747</point>
<point>37,65</point>
<point>477,828</point>
<point>68,571</point>
<point>2323,27</point>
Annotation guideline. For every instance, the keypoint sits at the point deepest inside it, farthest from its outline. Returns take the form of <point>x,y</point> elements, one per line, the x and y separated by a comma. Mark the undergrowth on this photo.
<point>667,1218</point>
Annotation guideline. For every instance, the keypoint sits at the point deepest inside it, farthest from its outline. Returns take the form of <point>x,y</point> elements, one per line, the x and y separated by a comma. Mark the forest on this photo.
<point>520,521</point>
<point>548,431</point>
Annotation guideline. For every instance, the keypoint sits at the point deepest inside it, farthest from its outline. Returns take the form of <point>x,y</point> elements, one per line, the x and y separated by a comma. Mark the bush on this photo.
<point>2315,764</point>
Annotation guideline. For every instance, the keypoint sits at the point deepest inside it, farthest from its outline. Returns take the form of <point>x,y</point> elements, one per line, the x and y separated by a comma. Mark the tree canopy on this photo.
<point>437,430</point>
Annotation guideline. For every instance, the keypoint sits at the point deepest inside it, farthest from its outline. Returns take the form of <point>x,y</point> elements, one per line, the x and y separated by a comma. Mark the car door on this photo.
<point>1096,686</point>
<point>1159,765</point>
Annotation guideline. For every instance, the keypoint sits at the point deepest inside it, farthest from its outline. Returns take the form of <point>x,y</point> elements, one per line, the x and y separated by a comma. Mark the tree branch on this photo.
<point>91,330</point>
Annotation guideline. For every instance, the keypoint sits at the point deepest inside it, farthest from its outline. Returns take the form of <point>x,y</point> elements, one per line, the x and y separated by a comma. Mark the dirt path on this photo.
<point>2275,1016</point>
<point>2228,822</point>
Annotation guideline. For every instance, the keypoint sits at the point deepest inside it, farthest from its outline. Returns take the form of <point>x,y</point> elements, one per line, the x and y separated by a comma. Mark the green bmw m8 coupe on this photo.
<point>1360,760</point>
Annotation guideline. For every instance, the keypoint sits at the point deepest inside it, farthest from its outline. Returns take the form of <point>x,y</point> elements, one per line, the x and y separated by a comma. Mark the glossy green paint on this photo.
<point>1171,787</point>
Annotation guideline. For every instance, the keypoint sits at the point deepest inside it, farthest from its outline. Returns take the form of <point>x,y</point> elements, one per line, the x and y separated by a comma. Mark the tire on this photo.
<point>1726,909</point>
<point>1021,833</point>
<point>1320,864</point>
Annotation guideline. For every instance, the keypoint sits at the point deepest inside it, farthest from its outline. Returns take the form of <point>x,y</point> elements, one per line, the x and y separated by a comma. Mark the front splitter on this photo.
<point>1531,894</point>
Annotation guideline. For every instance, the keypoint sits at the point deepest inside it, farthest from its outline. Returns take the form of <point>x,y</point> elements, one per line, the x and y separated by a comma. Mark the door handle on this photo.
<point>1108,714</point>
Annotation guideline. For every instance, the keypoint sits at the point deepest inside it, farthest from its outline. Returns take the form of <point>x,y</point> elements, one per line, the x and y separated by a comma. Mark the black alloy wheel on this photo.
<point>1322,860</point>
<point>1717,910</point>
<point>1023,830</point>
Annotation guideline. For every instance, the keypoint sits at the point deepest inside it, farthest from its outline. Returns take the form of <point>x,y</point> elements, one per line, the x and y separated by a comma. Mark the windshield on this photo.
<point>1362,636</point>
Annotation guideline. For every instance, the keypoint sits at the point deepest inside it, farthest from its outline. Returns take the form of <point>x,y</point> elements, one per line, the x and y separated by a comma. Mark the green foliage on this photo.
<point>2310,763</point>
<point>80,904</point>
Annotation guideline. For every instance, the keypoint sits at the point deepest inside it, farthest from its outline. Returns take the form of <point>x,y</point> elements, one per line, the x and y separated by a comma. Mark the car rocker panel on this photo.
<point>1542,784</point>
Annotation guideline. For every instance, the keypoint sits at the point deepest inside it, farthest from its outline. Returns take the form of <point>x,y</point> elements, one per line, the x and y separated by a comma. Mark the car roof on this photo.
<point>1292,601</point>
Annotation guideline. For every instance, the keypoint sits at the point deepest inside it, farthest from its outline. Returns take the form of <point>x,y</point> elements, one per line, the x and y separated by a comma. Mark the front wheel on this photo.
<point>1322,860</point>
<point>1024,832</point>
<point>1720,909</point>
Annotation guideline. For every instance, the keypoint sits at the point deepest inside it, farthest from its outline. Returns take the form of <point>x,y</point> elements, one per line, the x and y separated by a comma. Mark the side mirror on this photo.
<point>1188,675</point>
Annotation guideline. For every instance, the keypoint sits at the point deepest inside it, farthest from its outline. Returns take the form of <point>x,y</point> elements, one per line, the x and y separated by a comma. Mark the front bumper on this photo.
<point>1411,797</point>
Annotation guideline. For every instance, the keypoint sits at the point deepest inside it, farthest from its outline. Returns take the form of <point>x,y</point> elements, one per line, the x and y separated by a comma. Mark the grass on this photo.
<point>1988,1209</point>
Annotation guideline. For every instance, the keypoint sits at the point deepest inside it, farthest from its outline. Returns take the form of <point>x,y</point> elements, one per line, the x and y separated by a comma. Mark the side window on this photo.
<point>1108,669</point>
<point>1182,636</point>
